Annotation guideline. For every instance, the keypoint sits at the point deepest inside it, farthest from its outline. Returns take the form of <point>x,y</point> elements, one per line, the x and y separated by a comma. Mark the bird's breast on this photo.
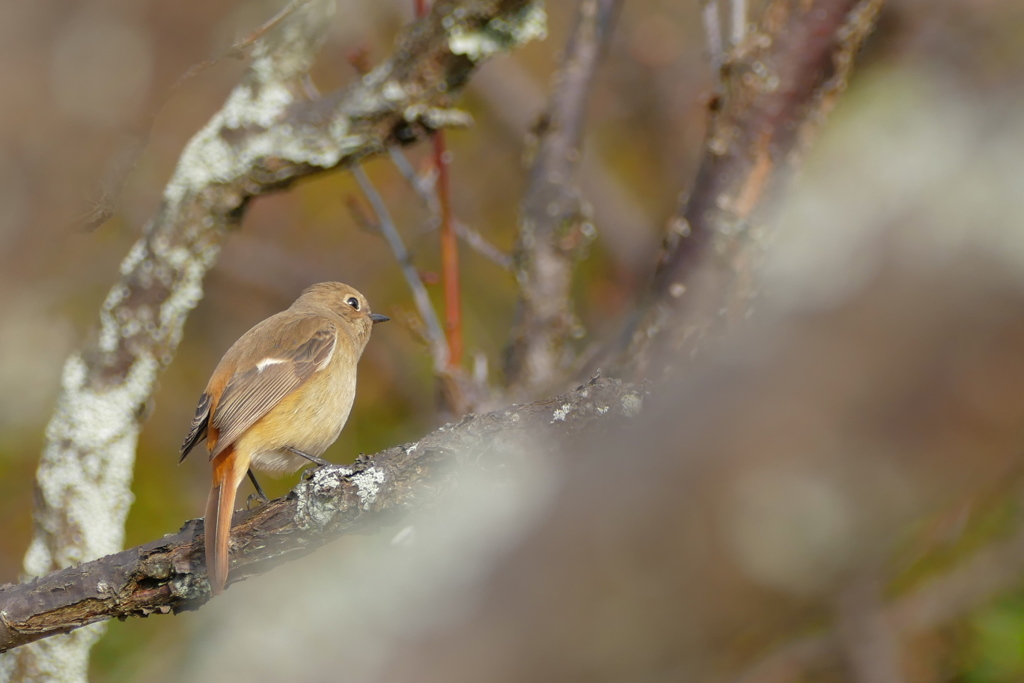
<point>309,419</point>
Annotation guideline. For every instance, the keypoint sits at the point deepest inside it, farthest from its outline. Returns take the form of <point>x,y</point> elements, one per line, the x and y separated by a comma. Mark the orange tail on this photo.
<point>228,471</point>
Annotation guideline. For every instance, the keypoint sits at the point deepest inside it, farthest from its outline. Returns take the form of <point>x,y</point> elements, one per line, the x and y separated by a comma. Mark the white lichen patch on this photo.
<point>560,413</point>
<point>631,404</point>
<point>316,507</point>
<point>368,485</point>
<point>256,112</point>
<point>499,35</point>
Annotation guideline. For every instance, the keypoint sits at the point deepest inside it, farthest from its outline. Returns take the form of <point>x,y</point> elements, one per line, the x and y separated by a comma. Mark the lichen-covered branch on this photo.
<point>169,574</point>
<point>554,226</point>
<point>267,135</point>
<point>779,84</point>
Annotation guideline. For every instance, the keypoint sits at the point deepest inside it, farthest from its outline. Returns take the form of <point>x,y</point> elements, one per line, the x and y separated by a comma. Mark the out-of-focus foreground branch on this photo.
<point>751,494</point>
<point>778,85</point>
<point>554,225</point>
<point>170,574</point>
<point>266,136</point>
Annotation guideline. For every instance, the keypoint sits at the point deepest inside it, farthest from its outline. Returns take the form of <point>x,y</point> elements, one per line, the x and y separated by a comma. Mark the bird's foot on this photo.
<point>318,461</point>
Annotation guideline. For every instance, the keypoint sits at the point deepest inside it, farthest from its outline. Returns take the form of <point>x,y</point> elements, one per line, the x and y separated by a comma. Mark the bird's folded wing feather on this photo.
<point>198,428</point>
<point>279,359</point>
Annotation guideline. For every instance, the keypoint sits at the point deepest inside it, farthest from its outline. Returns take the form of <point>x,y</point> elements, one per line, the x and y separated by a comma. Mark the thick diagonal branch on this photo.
<point>169,574</point>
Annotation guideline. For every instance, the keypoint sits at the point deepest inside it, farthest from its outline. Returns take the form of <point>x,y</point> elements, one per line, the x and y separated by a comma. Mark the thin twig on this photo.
<point>449,256</point>
<point>554,226</point>
<point>424,187</point>
<point>425,190</point>
<point>738,21</point>
<point>434,332</point>
<point>713,34</point>
<point>449,242</point>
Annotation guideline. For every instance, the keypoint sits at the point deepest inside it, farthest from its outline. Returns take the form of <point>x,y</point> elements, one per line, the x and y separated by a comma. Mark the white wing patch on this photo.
<point>267,362</point>
<point>327,361</point>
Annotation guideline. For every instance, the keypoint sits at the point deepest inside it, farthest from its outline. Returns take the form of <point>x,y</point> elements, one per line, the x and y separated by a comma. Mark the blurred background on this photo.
<point>83,82</point>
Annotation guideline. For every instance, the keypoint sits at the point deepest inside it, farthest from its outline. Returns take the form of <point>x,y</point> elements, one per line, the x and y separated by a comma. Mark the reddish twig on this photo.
<point>449,243</point>
<point>449,256</point>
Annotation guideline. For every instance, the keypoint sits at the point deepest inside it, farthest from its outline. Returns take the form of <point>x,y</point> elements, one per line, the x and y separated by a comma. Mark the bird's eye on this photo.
<point>353,302</point>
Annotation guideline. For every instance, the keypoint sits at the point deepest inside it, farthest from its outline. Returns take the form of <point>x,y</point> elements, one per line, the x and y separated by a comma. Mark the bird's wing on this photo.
<point>198,429</point>
<point>278,357</point>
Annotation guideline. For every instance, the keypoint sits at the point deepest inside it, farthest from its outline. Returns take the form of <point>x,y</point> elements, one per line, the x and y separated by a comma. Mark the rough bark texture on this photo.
<point>779,84</point>
<point>170,575</point>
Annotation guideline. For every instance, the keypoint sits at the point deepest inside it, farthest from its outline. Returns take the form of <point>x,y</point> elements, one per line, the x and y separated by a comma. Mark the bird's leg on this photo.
<point>319,462</point>
<point>259,495</point>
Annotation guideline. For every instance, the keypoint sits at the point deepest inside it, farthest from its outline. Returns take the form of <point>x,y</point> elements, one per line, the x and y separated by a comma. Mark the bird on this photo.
<point>277,399</point>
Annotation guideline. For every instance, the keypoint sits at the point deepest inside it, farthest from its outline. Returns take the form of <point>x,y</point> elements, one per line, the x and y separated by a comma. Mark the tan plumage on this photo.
<point>286,385</point>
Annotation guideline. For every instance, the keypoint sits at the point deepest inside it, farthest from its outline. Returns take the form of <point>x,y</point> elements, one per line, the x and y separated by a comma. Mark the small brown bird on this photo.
<point>278,398</point>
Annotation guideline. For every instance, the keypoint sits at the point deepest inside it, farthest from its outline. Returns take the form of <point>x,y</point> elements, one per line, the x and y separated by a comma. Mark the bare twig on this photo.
<point>778,90</point>
<point>423,186</point>
<point>713,34</point>
<point>449,243</point>
<point>169,574</point>
<point>554,227</point>
<point>514,100</point>
<point>434,332</point>
<point>449,256</point>
<point>425,190</point>
<point>737,21</point>
<point>478,243</point>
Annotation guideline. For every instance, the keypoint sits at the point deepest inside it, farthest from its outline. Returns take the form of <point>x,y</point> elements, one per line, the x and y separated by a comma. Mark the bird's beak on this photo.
<point>378,318</point>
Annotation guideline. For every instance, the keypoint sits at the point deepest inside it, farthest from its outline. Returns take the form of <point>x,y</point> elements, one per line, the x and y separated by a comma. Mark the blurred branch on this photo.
<point>265,137</point>
<point>779,85</point>
<point>425,190</point>
<point>737,21</point>
<point>434,333</point>
<point>713,34</point>
<point>992,570</point>
<point>169,574</point>
<point>553,225</point>
<point>515,100</point>
<point>870,647</point>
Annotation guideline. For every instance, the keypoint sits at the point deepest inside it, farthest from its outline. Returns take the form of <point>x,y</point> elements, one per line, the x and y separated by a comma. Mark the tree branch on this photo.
<point>168,575</point>
<point>432,329</point>
<point>779,85</point>
<point>554,226</point>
